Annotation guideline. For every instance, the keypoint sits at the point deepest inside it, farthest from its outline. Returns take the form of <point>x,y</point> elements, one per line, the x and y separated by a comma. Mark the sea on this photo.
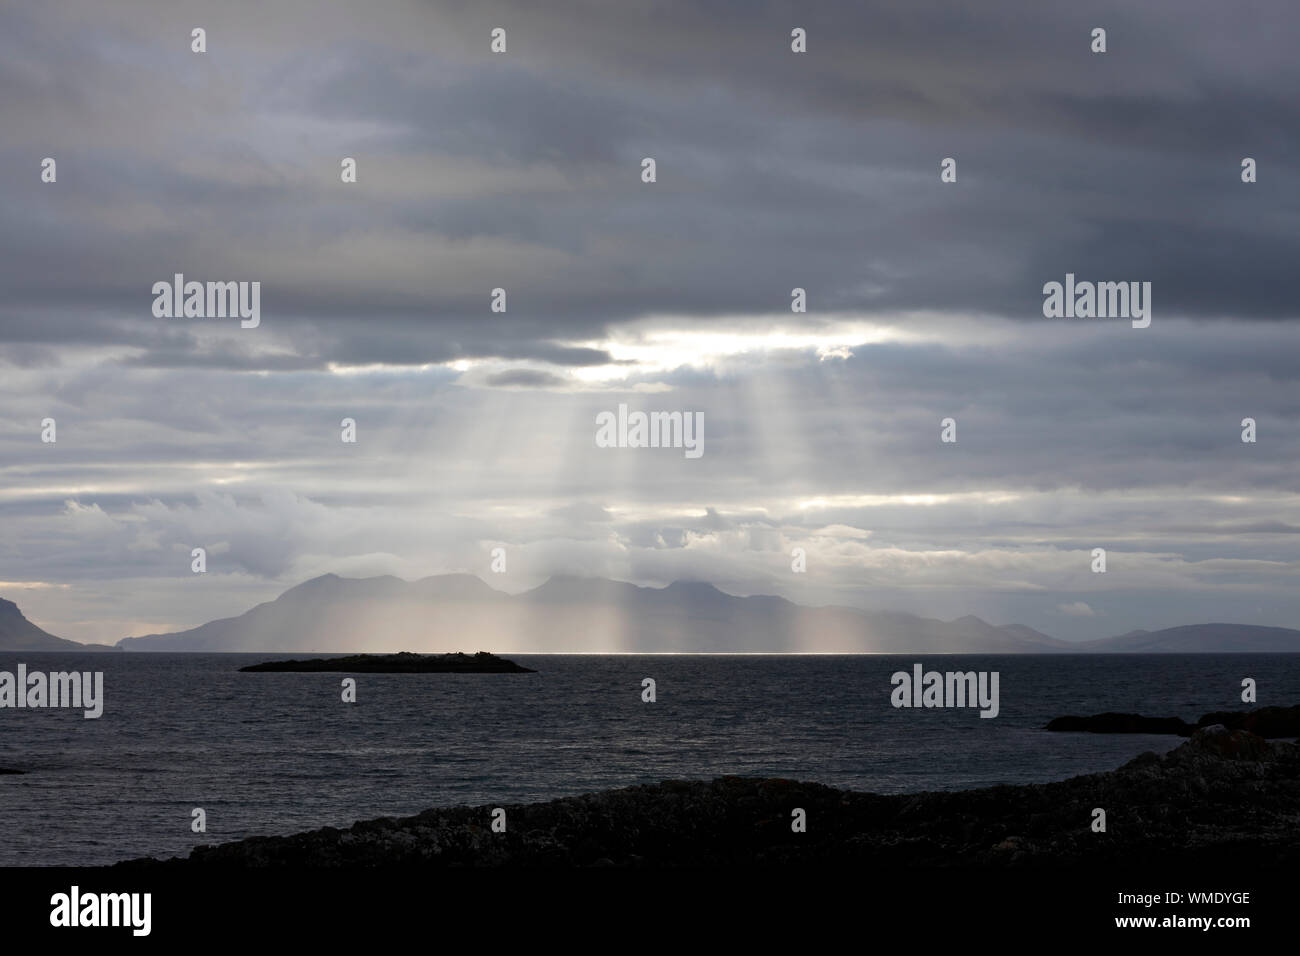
<point>277,753</point>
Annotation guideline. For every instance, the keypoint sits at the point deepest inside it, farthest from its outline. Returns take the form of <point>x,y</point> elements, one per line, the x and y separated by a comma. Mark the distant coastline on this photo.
<point>333,614</point>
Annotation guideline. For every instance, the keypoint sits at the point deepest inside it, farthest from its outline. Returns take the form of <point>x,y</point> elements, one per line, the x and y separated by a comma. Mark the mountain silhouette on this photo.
<point>572,615</point>
<point>1201,638</point>
<point>460,612</point>
<point>19,634</point>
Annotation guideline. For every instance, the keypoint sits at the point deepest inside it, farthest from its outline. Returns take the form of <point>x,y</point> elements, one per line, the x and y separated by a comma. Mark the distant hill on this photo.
<point>19,634</point>
<point>1200,638</point>
<point>573,615</point>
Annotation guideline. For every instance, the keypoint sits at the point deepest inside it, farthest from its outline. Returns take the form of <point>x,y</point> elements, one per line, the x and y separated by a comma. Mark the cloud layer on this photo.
<point>776,170</point>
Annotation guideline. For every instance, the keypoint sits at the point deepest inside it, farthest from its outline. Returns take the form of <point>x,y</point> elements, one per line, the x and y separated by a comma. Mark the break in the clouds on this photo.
<point>521,171</point>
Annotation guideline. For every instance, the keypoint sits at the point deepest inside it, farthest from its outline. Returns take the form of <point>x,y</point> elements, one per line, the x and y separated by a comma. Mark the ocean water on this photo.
<point>279,753</point>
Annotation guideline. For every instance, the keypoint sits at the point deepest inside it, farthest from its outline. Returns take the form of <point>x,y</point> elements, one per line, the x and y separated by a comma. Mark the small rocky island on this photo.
<point>401,663</point>
<point>1270,722</point>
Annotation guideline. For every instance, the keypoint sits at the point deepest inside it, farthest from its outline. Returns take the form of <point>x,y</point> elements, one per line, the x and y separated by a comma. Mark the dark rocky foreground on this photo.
<point>402,663</point>
<point>1222,798</point>
<point>1264,722</point>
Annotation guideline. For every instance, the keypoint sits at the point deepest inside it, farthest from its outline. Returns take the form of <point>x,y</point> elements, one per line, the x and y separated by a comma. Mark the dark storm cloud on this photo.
<point>524,378</point>
<point>774,169</point>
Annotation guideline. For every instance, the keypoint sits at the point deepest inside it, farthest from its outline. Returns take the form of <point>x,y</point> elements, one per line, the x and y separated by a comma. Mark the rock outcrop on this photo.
<point>1264,722</point>
<point>1122,724</point>
<point>1273,722</point>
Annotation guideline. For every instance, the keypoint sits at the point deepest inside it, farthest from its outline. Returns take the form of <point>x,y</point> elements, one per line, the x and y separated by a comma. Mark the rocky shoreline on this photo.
<point>1222,798</point>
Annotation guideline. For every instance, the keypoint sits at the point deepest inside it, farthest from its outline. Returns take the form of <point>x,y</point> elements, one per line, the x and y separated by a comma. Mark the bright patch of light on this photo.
<point>665,349</point>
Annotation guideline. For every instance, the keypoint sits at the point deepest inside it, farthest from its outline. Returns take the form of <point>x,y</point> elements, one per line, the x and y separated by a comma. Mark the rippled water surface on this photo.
<point>277,753</point>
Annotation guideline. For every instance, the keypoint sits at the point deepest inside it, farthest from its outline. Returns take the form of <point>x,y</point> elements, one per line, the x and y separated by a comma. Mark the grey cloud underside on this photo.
<point>522,170</point>
<point>526,378</point>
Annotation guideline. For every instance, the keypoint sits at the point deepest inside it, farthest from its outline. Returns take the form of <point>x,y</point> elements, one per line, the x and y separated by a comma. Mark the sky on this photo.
<point>774,170</point>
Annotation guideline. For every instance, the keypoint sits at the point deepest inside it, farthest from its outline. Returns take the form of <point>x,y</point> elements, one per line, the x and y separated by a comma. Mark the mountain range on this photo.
<point>459,612</point>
